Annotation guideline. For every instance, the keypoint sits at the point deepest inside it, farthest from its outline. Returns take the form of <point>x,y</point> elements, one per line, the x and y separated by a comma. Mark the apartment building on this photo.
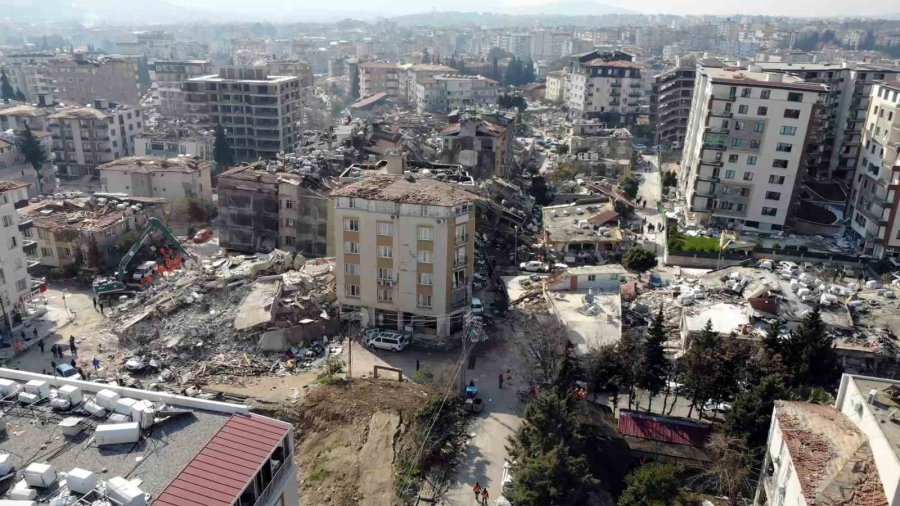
<point>670,102</point>
<point>85,232</point>
<point>411,75</point>
<point>556,86</point>
<point>173,179</point>
<point>212,452</point>
<point>87,137</point>
<point>874,199</point>
<point>604,85</point>
<point>550,45</point>
<point>79,80</point>
<point>16,117</point>
<point>516,44</point>
<point>174,140</point>
<point>404,250</point>
<point>268,206</point>
<point>745,145</point>
<point>846,454</point>
<point>258,111</point>
<point>14,278</point>
<point>292,67</point>
<point>594,135</point>
<point>376,77</point>
<point>445,93</point>
<point>169,76</point>
<point>481,144</point>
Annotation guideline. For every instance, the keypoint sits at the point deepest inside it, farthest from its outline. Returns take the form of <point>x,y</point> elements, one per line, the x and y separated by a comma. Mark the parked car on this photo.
<point>202,235</point>
<point>721,407</point>
<point>389,341</point>
<point>67,371</point>
<point>507,479</point>
<point>533,266</point>
<point>477,306</point>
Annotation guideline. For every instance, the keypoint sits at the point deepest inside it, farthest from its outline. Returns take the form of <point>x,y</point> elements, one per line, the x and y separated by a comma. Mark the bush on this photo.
<point>639,260</point>
<point>776,246</point>
<point>803,249</point>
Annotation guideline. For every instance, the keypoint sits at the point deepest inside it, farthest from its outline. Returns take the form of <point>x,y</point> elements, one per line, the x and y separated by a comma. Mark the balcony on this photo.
<point>29,245</point>
<point>634,85</point>
<point>714,146</point>
<point>722,114</point>
<point>460,262</point>
<point>616,84</point>
<point>726,98</point>
<point>25,223</point>
<point>19,204</point>
<point>462,239</point>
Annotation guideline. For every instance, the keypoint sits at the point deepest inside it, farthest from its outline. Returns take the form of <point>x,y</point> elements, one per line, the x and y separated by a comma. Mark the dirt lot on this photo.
<point>348,437</point>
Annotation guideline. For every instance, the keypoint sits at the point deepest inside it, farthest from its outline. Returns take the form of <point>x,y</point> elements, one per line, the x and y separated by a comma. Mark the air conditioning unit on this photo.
<point>393,216</point>
<point>439,221</point>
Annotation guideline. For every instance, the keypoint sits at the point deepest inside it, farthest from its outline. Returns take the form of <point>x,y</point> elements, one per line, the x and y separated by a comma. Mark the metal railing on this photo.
<point>275,485</point>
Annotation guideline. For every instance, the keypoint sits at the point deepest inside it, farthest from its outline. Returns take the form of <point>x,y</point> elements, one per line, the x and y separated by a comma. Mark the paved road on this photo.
<point>651,191</point>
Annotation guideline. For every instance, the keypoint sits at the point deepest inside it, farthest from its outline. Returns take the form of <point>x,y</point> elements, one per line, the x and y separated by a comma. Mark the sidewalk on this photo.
<point>49,316</point>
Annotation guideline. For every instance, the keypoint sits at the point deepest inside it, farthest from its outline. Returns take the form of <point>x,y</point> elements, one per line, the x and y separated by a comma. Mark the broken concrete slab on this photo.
<point>258,307</point>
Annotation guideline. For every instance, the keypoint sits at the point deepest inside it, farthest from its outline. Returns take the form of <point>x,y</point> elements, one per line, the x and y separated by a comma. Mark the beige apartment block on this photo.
<point>405,253</point>
<point>375,77</point>
<point>745,146</point>
<point>173,179</point>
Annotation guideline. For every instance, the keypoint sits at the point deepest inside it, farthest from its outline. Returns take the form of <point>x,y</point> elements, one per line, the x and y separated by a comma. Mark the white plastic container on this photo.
<point>117,433</point>
<point>7,463</point>
<point>71,393</point>
<point>27,398</point>
<point>22,492</point>
<point>143,413</point>
<point>107,399</point>
<point>123,405</point>
<point>81,481</point>
<point>94,409</point>
<point>123,492</point>
<point>60,404</point>
<point>40,475</point>
<point>39,387</point>
<point>9,502</point>
<point>9,387</point>
<point>71,426</point>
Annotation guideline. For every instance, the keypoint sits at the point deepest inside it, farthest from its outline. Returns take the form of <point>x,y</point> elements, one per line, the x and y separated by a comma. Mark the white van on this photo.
<point>388,341</point>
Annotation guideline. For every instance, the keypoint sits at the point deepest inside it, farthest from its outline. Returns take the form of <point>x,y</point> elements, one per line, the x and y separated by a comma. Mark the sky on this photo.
<point>801,8</point>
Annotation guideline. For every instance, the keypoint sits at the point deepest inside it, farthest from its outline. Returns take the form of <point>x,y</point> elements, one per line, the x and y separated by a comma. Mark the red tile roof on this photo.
<point>219,472</point>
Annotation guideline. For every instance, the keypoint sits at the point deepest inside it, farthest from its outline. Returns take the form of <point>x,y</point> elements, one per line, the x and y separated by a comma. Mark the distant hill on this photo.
<point>497,20</point>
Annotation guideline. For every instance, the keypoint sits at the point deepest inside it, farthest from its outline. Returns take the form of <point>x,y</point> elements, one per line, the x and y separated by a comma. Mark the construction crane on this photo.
<point>108,285</point>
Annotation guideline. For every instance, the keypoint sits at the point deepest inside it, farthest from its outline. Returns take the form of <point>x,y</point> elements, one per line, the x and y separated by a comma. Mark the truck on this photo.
<point>104,286</point>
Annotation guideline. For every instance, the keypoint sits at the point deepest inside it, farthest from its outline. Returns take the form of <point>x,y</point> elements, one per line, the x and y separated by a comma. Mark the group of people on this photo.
<point>481,494</point>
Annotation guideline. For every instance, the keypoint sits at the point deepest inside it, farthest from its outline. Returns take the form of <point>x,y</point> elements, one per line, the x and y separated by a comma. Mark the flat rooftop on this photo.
<point>564,223</point>
<point>593,325</point>
<point>148,164</point>
<point>885,407</point>
<point>733,75</point>
<point>214,78</point>
<point>416,190</point>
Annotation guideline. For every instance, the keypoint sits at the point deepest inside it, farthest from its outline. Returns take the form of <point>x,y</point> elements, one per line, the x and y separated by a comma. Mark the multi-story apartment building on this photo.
<point>445,93</point>
<point>292,67</point>
<point>14,278</point>
<point>604,85</point>
<point>874,199</point>
<point>481,144</point>
<point>410,76</point>
<point>87,137</point>
<point>262,209</point>
<point>173,179</point>
<point>670,102</point>
<point>176,140</point>
<point>28,74</point>
<point>550,45</point>
<point>556,86</point>
<point>745,146</point>
<point>15,117</point>
<point>81,80</point>
<point>516,44</point>
<point>846,454</point>
<point>169,76</point>
<point>155,45</point>
<point>404,250</point>
<point>258,111</point>
<point>375,77</point>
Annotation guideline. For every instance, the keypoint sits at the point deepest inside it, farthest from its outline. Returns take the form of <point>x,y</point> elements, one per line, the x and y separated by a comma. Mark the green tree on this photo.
<point>702,365</point>
<point>653,484</point>
<point>6,90</point>
<point>20,96</point>
<point>808,354</point>
<point>33,152</point>
<point>653,365</point>
<point>639,260</point>
<point>624,209</point>
<point>630,185</point>
<point>751,413</point>
<point>222,153</point>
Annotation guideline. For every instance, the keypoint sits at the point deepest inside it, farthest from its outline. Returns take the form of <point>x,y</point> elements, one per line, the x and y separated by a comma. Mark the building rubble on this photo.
<point>234,317</point>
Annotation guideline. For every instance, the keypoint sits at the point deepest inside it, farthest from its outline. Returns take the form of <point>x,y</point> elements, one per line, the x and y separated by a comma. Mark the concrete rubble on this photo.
<point>232,317</point>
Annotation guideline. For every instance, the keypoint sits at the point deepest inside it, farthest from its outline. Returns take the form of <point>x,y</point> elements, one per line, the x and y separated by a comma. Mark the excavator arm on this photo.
<point>152,224</point>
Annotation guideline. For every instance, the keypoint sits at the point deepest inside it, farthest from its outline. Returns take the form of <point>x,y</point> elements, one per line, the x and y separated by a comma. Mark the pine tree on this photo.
<point>7,92</point>
<point>222,153</point>
<point>751,413</point>
<point>20,96</point>
<point>653,364</point>
<point>33,152</point>
<point>654,484</point>
<point>809,356</point>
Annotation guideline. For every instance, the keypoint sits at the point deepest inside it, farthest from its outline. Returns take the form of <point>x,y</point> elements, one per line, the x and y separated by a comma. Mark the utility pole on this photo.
<point>471,331</point>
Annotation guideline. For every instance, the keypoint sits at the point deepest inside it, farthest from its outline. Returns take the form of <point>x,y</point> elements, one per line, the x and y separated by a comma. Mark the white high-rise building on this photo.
<point>14,279</point>
<point>745,145</point>
<point>603,85</point>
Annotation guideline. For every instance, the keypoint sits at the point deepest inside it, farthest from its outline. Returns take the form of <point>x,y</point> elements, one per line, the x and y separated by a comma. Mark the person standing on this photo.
<point>417,365</point>
<point>101,309</point>
<point>95,303</point>
<point>501,381</point>
<point>484,496</point>
<point>72,346</point>
<point>53,366</point>
<point>34,332</point>
<point>477,490</point>
<point>41,345</point>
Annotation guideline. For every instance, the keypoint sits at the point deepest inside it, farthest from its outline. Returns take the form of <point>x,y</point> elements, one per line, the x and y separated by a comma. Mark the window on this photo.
<point>764,94</point>
<point>351,291</point>
<point>729,174</point>
<point>769,211</point>
<point>745,92</point>
<point>385,228</point>
<point>385,252</point>
<point>423,300</point>
<point>426,278</point>
<point>7,221</point>
<point>732,158</point>
<point>351,269</point>
<point>426,234</point>
<point>742,109</point>
<point>738,125</point>
<point>784,147</point>
<point>385,274</point>
<point>45,252</point>
<point>751,159</point>
<point>759,126</point>
<point>736,142</point>
<point>795,97</point>
<point>462,234</point>
<point>288,239</point>
<point>21,285</point>
<point>351,247</point>
<point>744,192</point>
<point>776,179</point>
<point>773,195</point>
<point>13,242</point>
<point>780,164</point>
<point>792,113</point>
<point>425,256</point>
<point>351,224</point>
<point>754,144</point>
<point>762,110</point>
<point>788,130</point>
<point>385,295</point>
<point>288,204</point>
<point>459,279</point>
<point>748,176</point>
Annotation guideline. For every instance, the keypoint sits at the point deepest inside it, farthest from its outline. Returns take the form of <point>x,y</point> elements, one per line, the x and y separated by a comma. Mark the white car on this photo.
<point>477,306</point>
<point>532,266</point>
<point>388,341</point>
<point>721,407</point>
